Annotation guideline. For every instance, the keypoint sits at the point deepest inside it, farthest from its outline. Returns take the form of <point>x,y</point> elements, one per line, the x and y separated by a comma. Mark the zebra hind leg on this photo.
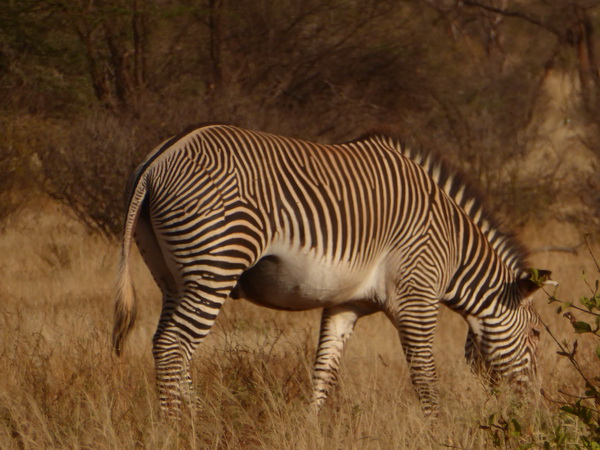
<point>173,378</point>
<point>169,348</point>
<point>337,324</point>
<point>183,325</point>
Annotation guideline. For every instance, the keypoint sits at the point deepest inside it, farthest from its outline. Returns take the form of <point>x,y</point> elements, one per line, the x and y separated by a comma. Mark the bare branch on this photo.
<point>558,249</point>
<point>517,14</point>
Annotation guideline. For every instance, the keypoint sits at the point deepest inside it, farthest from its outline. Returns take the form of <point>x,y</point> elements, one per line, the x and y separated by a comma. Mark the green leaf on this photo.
<point>591,392</point>
<point>567,409</point>
<point>582,327</point>
<point>594,445</point>
<point>563,306</point>
<point>586,302</point>
<point>598,352</point>
<point>559,435</point>
<point>516,428</point>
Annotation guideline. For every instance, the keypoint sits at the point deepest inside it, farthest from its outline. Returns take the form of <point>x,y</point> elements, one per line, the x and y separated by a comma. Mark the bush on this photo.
<point>580,407</point>
<point>447,76</point>
<point>16,173</point>
<point>86,167</point>
<point>9,199</point>
<point>585,319</point>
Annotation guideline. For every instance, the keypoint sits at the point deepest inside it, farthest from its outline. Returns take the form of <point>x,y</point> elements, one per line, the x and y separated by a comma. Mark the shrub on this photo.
<point>506,430</point>
<point>585,319</point>
<point>86,168</point>
<point>15,167</point>
<point>10,201</point>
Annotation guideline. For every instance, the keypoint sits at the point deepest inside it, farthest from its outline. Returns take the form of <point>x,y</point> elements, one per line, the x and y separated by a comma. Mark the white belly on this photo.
<point>296,280</point>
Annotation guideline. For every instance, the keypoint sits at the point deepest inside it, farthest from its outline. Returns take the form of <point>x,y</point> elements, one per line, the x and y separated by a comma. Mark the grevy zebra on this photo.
<point>353,228</point>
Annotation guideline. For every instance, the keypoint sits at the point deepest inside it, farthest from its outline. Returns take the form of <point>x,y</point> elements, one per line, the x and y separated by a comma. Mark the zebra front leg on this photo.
<point>337,325</point>
<point>475,358</point>
<point>416,323</point>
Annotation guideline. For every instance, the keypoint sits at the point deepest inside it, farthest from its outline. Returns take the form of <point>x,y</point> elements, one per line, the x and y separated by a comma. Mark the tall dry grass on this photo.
<point>63,388</point>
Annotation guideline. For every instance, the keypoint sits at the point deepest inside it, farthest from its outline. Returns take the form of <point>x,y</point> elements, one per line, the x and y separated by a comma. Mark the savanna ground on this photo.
<point>507,90</point>
<point>63,388</point>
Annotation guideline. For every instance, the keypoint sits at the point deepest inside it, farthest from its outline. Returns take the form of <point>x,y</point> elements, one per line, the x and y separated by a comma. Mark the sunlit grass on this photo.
<point>63,388</point>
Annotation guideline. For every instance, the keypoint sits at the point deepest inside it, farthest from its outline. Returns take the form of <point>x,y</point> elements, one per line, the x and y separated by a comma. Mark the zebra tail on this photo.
<point>125,303</point>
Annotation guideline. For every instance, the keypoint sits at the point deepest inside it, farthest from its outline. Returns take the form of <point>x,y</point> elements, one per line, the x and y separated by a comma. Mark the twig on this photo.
<point>578,397</point>
<point>552,298</point>
<point>587,243</point>
<point>573,361</point>
<point>516,14</point>
<point>552,248</point>
<point>558,402</point>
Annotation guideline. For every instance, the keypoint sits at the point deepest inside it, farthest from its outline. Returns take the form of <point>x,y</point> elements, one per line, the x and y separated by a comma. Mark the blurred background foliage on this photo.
<point>87,88</point>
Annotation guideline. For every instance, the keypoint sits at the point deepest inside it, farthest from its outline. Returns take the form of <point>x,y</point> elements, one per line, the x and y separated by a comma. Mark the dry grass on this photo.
<point>63,388</point>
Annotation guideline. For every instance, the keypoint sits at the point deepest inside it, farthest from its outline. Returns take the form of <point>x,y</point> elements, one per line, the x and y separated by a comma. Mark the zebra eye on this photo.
<point>535,332</point>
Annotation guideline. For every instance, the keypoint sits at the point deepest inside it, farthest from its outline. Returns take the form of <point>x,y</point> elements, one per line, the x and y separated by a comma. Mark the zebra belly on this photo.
<point>299,282</point>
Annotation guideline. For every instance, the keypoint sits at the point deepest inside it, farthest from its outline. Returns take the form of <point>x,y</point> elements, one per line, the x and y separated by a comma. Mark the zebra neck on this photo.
<point>455,185</point>
<point>482,275</point>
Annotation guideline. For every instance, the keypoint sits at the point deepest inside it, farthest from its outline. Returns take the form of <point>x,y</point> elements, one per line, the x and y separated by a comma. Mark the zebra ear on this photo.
<point>532,279</point>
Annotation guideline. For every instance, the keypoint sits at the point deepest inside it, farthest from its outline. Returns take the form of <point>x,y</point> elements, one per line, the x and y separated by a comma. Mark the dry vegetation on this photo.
<point>63,388</point>
<point>507,90</point>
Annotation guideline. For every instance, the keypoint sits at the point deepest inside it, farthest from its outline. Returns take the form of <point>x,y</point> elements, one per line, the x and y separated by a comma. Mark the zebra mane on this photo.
<point>458,187</point>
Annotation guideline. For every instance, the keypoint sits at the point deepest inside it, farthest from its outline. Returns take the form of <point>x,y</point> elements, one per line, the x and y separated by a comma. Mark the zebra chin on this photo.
<point>525,376</point>
<point>520,375</point>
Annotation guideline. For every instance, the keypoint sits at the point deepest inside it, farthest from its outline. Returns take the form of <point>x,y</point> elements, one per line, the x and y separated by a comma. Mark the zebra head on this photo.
<point>503,345</point>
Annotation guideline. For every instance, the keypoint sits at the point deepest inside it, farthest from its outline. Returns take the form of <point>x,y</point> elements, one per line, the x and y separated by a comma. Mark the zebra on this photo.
<point>367,226</point>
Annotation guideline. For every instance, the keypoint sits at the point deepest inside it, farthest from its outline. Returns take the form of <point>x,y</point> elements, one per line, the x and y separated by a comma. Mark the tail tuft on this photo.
<point>125,311</point>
